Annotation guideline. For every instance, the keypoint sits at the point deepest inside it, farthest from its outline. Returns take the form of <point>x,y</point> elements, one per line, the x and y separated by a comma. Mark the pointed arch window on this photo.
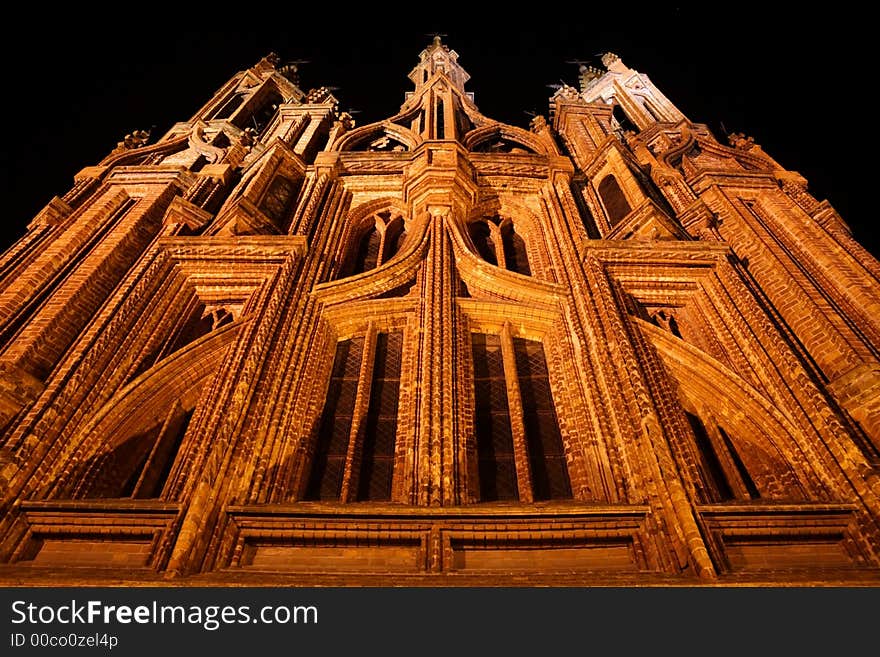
<point>381,241</point>
<point>520,453</point>
<point>141,466</point>
<point>481,235</point>
<point>725,476</point>
<point>367,257</point>
<point>498,243</point>
<point>622,121</point>
<point>614,200</point>
<point>515,257</point>
<point>265,110</point>
<point>395,233</point>
<point>252,110</point>
<point>228,108</point>
<point>495,454</point>
<point>355,446</point>
<point>277,202</point>
<point>440,119</point>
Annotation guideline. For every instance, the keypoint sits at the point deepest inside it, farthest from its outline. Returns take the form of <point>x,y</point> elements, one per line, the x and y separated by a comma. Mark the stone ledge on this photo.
<point>408,512</point>
<point>36,576</point>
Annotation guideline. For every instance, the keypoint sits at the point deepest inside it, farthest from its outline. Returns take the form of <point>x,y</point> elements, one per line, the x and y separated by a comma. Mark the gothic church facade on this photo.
<point>275,347</point>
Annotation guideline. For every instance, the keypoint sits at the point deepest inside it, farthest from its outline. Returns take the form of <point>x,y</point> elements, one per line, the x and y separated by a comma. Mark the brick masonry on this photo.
<point>168,329</point>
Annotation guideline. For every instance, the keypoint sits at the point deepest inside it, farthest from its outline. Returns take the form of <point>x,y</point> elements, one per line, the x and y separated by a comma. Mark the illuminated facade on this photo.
<point>273,347</point>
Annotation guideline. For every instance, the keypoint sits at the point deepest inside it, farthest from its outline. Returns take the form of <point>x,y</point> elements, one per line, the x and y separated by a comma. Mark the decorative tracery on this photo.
<point>497,242</point>
<point>380,237</point>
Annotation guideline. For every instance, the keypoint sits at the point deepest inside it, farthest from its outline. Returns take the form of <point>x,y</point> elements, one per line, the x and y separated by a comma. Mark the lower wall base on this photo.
<point>109,542</point>
<point>34,576</point>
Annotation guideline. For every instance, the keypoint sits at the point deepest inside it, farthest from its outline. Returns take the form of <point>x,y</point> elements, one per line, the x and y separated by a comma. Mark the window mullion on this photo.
<point>722,454</point>
<point>359,416</point>
<point>153,465</point>
<point>498,243</point>
<point>517,425</point>
<point>737,481</point>
<point>381,227</point>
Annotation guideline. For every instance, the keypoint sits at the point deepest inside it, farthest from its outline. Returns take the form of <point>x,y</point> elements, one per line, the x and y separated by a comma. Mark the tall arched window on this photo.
<point>624,124</point>
<point>262,114</point>
<point>354,451</point>
<point>613,199</point>
<point>440,121</point>
<point>546,453</point>
<point>515,257</point>
<point>481,236</point>
<point>380,426</point>
<point>725,477</point>
<point>496,462</point>
<point>229,107</point>
<point>394,236</point>
<point>377,245</point>
<point>519,457</point>
<point>140,466</point>
<point>367,256</point>
<point>499,244</point>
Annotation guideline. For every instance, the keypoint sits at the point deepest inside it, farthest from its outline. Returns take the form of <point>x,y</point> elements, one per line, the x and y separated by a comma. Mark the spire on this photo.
<point>438,58</point>
<point>439,102</point>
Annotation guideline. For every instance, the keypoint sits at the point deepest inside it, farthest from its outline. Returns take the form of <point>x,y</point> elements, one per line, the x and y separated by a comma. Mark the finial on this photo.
<point>588,75</point>
<point>740,141</point>
<point>290,69</point>
<point>135,139</point>
<point>567,91</point>
<point>608,59</point>
<point>248,137</point>
<point>321,95</point>
<point>436,37</point>
<point>538,123</point>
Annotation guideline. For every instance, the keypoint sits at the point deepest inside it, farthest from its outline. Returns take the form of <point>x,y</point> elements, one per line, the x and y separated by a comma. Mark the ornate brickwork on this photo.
<point>274,347</point>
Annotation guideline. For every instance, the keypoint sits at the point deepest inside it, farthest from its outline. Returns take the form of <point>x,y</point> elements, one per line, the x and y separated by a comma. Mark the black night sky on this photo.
<point>795,80</point>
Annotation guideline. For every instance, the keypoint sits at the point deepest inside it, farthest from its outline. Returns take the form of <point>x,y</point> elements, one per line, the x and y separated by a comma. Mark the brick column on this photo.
<point>436,418</point>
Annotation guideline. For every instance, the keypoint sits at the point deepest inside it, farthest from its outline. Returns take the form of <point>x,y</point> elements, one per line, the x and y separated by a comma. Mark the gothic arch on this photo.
<point>404,118</point>
<point>360,139</point>
<point>143,402</point>
<point>496,283</point>
<point>135,156</point>
<point>764,436</point>
<point>362,222</point>
<point>497,242</point>
<point>613,198</point>
<point>364,210</point>
<point>480,137</point>
<point>398,271</point>
<point>523,217</point>
<point>524,222</point>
